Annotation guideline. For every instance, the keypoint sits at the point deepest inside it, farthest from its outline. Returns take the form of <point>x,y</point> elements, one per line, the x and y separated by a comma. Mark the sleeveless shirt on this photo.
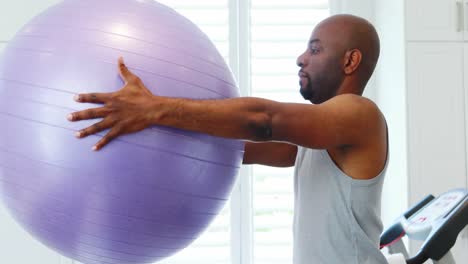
<point>336,218</point>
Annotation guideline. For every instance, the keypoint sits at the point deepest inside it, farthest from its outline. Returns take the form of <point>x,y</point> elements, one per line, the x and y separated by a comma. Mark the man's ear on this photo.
<point>352,60</point>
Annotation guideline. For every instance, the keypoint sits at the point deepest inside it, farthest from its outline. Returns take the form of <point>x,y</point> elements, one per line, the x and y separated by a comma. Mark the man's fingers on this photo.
<point>113,133</point>
<point>96,128</point>
<point>96,98</point>
<point>92,113</point>
<point>125,73</point>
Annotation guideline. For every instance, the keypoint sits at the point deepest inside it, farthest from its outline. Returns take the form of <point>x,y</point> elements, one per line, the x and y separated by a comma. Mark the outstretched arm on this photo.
<point>343,120</point>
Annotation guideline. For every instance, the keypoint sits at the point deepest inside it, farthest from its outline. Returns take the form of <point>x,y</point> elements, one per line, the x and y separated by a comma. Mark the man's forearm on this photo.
<point>241,118</point>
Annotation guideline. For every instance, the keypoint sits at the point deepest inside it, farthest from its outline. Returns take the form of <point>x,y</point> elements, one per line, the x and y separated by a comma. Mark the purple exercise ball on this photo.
<point>146,195</point>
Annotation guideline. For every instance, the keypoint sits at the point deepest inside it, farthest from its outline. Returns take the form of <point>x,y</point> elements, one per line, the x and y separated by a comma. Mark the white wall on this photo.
<point>16,245</point>
<point>2,46</point>
<point>362,8</point>
<point>391,98</point>
<point>15,13</point>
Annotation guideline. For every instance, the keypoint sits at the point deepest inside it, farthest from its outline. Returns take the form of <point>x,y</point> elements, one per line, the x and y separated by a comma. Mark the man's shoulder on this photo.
<point>352,98</point>
<point>356,104</point>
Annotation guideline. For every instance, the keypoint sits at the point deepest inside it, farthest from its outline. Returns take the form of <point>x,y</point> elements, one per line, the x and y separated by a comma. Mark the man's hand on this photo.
<point>125,111</point>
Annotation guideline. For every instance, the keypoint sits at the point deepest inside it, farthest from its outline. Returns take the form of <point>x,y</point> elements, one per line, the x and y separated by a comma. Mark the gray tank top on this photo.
<point>336,217</point>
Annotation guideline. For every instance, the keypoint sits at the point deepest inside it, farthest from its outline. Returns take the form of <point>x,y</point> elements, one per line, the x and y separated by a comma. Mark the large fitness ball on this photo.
<point>146,195</point>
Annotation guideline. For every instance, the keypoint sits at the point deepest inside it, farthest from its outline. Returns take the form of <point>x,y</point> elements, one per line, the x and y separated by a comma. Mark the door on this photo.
<point>465,21</point>
<point>440,20</point>
<point>463,237</point>
<point>436,123</point>
<point>436,118</point>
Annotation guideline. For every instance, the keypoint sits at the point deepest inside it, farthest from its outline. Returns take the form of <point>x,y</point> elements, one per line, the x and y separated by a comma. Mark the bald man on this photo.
<point>338,144</point>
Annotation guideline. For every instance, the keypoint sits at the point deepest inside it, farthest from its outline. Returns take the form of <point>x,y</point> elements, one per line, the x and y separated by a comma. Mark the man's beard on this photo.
<point>307,92</point>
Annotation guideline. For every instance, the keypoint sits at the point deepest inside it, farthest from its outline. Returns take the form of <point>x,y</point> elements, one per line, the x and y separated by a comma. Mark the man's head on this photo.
<point>340,58</point>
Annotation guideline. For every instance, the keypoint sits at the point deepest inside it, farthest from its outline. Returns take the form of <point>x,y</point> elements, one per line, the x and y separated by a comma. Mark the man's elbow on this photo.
<point>261,128</point>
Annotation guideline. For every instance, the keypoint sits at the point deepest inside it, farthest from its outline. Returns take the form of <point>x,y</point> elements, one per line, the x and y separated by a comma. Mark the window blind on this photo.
<point>214,245</point>
<point>279,34</point>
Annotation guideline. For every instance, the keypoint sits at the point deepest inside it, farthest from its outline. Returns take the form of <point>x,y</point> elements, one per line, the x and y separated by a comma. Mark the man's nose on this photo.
<point>300,60</point>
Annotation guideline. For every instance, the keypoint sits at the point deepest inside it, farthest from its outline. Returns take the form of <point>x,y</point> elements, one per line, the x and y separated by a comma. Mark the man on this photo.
<point>338,143</point>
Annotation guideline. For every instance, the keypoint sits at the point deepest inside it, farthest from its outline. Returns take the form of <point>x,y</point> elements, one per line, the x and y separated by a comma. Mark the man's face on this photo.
<point>321,71</point>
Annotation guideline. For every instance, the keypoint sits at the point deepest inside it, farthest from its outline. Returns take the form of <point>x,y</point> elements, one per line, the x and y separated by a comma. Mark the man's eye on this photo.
<point>314,50</point>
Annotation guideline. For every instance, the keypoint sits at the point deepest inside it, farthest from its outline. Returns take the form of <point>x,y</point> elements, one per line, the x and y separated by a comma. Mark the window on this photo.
<point>279,33</point>
<point>214,246</point>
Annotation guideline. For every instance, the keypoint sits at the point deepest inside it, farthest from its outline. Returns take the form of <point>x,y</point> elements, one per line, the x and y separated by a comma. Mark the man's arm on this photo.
<point>275,154</point>
<point>344,120</point>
